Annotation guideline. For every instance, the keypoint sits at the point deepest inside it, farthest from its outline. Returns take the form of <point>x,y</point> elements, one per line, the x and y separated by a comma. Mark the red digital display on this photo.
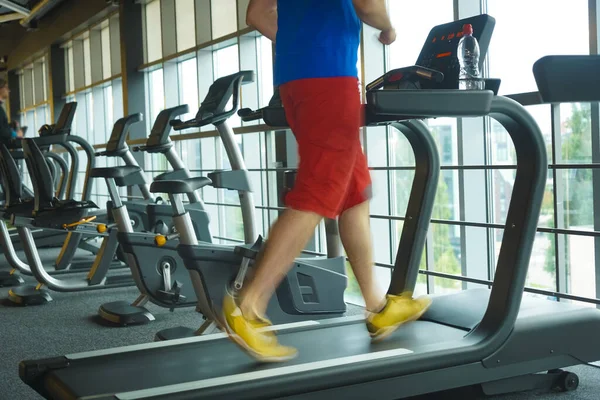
<point>443,55</point>
<point>450,36</point>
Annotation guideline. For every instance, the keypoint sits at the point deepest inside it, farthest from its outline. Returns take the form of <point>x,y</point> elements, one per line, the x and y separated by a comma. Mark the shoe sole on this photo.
<point>250,351</point>
<point>384,333</point>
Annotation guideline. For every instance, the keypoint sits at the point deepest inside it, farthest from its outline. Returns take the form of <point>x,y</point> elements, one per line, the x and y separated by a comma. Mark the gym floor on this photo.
<point>68,325</point>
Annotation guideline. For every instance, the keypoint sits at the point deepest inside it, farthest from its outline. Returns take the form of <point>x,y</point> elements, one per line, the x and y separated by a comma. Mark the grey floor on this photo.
<point>68,325</point>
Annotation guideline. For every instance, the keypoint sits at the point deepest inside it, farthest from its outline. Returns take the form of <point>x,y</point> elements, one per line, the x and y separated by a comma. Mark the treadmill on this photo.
<point>488,337</point>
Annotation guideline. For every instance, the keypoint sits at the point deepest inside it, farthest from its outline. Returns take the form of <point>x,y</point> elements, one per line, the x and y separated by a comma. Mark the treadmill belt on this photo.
<point>181,363</point>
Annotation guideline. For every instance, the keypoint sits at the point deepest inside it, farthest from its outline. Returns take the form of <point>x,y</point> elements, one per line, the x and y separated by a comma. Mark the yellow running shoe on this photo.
<point>397,311</point>
<point>251,336</point>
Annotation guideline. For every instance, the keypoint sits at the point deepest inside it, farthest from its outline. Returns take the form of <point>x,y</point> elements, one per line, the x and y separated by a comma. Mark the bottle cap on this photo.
<point>467,29</point>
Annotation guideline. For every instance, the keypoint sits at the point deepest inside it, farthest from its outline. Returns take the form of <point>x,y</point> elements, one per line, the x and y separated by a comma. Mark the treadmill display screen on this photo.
<point>440,49</point>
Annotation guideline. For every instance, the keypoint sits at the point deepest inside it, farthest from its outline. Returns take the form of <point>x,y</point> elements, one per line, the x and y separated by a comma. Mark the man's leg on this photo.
<point>287,239</point>
<point>355,232</point>
<point>325,143</point>
<point>386,312</point>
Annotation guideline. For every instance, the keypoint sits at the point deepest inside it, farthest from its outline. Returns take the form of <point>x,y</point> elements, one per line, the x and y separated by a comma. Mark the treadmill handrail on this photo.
<point>64,168</point>
<point>550,73</point>
<point>91,163</point>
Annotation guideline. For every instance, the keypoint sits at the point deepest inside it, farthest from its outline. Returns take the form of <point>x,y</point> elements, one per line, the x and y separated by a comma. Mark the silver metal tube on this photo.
<point>33,258</point>
<point>130,160</point>
<point>166,267</point>
<point>185,228</point>
<point>122,219</point>
<point>177,204</point>
<point>174,159</point>
<point>177,164</point>
<point>72,284</point>
<point>246,198</point>
<point>9,250</point>
<point>113,192</point>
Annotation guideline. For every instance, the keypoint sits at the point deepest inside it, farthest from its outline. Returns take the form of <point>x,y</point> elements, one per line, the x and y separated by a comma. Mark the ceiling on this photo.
<point>14,23</point>
<point>24,3</point>
<point>25,12</point>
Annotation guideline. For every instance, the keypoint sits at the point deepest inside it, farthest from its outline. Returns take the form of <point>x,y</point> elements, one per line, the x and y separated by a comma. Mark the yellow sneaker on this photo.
<point>397,311</point>
<point>251,336</point>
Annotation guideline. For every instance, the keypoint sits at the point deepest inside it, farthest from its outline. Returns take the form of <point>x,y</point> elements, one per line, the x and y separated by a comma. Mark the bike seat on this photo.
<point>126,175</point>
<point>180,186</point>
<point>115,172</point>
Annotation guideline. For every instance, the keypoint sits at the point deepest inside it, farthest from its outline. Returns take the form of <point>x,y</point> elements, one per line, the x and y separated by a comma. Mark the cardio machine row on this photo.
<point>21,202</point>
<point>158,264</point>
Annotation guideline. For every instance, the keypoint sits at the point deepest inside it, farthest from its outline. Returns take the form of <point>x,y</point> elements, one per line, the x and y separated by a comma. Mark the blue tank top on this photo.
<point>316,39</point>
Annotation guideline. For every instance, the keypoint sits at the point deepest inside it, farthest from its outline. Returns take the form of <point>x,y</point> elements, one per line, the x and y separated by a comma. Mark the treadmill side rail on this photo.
<point>33,372</point>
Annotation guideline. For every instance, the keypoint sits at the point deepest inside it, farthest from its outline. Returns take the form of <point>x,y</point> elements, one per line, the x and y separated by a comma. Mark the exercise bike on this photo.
<point>159,273</point>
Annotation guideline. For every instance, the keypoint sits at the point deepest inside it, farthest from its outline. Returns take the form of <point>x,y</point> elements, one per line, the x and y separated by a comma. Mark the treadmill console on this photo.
<point>440,49</point>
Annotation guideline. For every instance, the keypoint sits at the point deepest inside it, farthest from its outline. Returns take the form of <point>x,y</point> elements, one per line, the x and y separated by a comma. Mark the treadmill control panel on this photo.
<point>440,49</point>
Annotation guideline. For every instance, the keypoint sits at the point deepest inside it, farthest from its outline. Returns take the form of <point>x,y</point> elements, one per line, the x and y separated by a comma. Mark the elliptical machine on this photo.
<point>67,216</point>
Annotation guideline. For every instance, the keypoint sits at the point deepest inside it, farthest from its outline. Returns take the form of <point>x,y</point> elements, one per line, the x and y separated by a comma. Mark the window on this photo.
<point>223,17</point>
<point>226,62</point>
<point>71,68</point>
<point>186,24</point>
<point>40,117</point>
<point>45,79</point>
<point>412,32</point>
<point>520,40</point>
<point>106,56</point>
<point>89,134</point>
<point>265,69</point>
<point>188,83</point>
<point>157,93</point>
<point>155,162</point>
<point>108,107</point>
<point>22,88</point>
<point>87,56</point>
<point>153,31</point>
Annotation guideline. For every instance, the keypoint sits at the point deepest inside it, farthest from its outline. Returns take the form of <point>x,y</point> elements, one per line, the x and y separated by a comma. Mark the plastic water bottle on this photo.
<point>469,77</point>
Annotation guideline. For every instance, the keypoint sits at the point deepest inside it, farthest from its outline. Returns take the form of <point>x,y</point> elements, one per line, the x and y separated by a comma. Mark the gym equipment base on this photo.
<point>179,332</point>
<point>10,280</point>
<point>29,296</point>
<point>123,314</point>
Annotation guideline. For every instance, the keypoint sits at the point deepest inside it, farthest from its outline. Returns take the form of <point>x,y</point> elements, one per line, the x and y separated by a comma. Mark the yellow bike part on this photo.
<point>80,222</point>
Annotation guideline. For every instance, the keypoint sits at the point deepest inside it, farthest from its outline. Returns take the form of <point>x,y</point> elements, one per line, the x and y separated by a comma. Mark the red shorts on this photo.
<point>325,115</point>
